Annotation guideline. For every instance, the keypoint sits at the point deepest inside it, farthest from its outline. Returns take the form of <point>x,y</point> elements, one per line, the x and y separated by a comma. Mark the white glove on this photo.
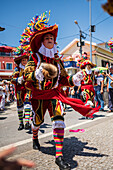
<point>38,74</point>
<point>20,80</point>
<point>77,78</point>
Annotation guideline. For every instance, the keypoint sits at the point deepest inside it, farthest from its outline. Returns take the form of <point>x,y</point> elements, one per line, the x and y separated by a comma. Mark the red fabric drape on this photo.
<point>76,104</point>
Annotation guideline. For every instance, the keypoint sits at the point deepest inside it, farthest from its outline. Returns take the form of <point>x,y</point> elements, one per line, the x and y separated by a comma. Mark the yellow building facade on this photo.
<point>101,55</point>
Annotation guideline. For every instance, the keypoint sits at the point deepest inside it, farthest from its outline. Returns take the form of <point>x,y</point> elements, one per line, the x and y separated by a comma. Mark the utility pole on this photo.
<point>81,36</point>
<point>80,43</point>
<point>90,31</point>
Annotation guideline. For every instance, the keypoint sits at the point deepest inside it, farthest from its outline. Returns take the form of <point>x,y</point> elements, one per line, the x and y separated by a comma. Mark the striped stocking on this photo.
<point>58,135</point>
<point>27,114</point>
<point>35,133</point>
<point>20,116</point>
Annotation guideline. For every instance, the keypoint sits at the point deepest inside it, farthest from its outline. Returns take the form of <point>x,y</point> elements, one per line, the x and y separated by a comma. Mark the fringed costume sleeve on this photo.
<point>29,72</point>
<point>15,76</point>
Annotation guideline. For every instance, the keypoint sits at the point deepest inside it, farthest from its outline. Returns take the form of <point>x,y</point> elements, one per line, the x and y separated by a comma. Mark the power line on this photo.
<point>94,37</point>
<point>102,20</point>
<point>98,22</point>
<point>78,34</point>
<point>11,25</point>
<point>98,16</point>
<point>86,30</point>
<point>73,34</point>
<point>68,36</point>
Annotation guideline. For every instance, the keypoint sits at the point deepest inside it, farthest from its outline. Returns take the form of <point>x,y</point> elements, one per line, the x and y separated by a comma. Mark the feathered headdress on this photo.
<point>86,62</point>
<point>83,58</point>
<point>32,35</point>
<point>19,54</point>
<point>19,51</point>
<point>110,44</point>
<point>37,25</point>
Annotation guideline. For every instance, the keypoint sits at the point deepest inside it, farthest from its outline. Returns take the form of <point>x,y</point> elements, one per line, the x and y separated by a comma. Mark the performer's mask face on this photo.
<point>24,61</point>
<point>88,67</point>
<point>48,41</point>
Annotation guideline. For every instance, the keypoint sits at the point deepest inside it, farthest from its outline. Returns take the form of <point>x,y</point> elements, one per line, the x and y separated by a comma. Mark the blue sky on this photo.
<point>15,14</point>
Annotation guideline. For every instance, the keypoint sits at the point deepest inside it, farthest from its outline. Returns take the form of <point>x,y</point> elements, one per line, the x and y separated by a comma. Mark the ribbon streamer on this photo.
<point>78,130</point>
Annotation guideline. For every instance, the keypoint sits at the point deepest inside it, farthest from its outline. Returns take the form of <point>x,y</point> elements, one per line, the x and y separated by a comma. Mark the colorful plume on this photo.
<point>83,58</point>
<point>37,23</point>
<point>110,44</point>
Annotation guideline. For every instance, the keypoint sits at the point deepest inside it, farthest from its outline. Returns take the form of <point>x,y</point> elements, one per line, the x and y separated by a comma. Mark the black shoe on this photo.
<point>61,163</point>
<point>27,126</point>
<point>21,126</point>
<point>36,144</point>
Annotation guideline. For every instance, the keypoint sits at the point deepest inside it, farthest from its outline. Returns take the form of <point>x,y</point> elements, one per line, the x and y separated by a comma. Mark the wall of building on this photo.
<point>7,64</point>
<point>6,59</point>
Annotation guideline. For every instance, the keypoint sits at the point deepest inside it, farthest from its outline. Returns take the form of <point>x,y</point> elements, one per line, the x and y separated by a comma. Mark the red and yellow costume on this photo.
<point>22,95</point>
<point>53,105</point>
<point>87,88</point>
<point>46,93</point>
<point>40,89</point>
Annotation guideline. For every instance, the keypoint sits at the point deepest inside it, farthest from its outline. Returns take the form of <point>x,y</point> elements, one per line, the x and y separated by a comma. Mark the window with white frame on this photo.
<point>9,66</point>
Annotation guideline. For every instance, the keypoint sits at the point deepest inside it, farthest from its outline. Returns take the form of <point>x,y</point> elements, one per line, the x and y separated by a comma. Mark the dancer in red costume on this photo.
<point>87,82</point>
<point>22,95</point>
<point>46,90</point>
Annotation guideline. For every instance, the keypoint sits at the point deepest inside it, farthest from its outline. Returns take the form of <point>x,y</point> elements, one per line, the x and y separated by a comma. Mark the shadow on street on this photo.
<point>2,118</point>
<point>72,147</point>
<point>45,125</point>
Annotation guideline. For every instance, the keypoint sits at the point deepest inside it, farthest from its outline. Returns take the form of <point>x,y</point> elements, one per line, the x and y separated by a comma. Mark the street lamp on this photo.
<point>80,37</point>
<point>2,29</point>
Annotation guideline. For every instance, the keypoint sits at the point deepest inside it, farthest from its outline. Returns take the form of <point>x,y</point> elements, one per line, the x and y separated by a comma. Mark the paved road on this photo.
<point>91,150</point>
<point>9,125</point>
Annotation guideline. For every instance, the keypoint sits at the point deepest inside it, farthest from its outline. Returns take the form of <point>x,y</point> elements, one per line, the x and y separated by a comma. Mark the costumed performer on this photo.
<point>46,87</point>
<point>87,86</point>
<point>87,83</point>
<point>22,94</point>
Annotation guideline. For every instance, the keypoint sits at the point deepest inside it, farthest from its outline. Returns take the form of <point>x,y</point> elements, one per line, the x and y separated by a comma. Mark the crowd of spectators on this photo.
<point>102,87</point>
<point>7,93</point>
